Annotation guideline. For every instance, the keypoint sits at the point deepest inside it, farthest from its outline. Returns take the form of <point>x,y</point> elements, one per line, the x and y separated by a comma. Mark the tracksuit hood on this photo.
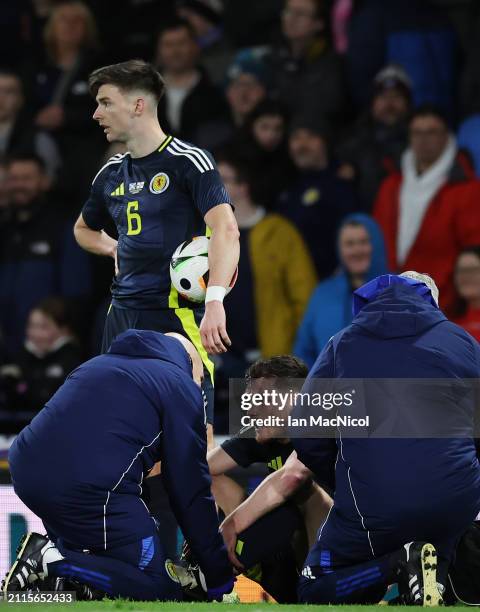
<point>151,345</point>
<point>396,311</point>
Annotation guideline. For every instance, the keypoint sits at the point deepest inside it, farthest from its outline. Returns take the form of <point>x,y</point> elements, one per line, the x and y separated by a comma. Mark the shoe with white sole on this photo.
<point>29,566</point>
<point>417,576</point>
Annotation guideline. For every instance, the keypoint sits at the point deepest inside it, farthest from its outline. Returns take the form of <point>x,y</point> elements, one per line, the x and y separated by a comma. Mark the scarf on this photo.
<point>417,192</point>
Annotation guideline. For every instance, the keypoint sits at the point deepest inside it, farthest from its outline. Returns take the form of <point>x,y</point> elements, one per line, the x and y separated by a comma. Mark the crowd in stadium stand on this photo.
<point>346,131</point>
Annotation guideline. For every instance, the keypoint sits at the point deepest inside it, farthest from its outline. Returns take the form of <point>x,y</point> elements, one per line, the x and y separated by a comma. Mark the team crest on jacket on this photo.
<point>136,187</point>
<point>159,183</point>
<point>311,196</point>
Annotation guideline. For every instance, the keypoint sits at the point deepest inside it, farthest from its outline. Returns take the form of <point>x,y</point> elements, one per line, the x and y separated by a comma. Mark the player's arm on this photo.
<point>187,481</point>
<point>220,461</point>
<point>223,255</point>
<point>97,242</point>
<point>270,494</point>
<point>227,493</point>
<point>314,504</point>
<point>88,229</point>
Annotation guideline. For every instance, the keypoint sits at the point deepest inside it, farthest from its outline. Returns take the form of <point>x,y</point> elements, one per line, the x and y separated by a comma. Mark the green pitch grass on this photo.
<point>114,606</point>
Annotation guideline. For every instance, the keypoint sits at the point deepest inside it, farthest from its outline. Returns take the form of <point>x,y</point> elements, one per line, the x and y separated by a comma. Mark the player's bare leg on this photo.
<point>227,493</point>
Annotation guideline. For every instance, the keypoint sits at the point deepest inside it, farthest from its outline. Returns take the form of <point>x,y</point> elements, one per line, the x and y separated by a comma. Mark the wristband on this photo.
<point>215,293</point>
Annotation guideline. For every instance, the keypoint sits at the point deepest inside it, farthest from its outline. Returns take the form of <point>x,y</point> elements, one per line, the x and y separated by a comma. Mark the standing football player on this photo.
<point>160,193</point>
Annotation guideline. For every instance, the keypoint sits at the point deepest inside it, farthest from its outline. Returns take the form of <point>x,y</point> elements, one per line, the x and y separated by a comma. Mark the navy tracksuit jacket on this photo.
<point>80,463</point>
<point>392,491</point>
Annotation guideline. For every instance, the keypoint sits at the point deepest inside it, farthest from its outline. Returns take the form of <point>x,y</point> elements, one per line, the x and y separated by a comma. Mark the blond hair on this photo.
<point>91,39</point>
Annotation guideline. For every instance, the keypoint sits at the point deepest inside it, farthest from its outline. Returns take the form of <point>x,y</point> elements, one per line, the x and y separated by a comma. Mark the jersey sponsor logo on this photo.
<point>159,183</point>
<point>136,187</point>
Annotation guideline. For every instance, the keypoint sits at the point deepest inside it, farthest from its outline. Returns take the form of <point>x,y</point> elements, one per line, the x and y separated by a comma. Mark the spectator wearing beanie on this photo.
<point>246,86</point>
<point>373,148</point>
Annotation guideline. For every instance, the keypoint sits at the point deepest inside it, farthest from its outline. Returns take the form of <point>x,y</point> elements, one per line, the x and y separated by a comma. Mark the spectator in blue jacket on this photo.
<point>373,146</point>
<point>114,418</point>
<point>407,488</point>
<point>361,252</point>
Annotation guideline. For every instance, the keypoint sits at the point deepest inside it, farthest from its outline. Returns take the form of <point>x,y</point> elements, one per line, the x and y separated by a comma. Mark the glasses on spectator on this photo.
<point>297,14</point>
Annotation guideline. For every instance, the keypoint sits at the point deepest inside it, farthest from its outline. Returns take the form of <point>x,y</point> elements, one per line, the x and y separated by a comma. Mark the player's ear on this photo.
<point>139,106</point>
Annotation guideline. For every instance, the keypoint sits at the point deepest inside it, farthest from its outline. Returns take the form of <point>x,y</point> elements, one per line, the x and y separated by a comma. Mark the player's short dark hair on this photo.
<point>280,366</point>
<point>129,76</point>
<point>177,23</point>
<point>430,110</point>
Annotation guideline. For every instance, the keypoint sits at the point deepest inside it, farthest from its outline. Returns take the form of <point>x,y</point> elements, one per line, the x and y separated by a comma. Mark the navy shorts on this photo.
<point>185,321</point>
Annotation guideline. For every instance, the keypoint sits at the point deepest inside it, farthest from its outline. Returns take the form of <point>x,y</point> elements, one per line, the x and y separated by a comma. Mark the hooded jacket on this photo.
<point>404,485</point>
<point>330,307</point>
<point>112,420</point>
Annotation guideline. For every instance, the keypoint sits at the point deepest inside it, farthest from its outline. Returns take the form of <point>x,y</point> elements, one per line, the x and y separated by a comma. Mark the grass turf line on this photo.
<point>150,606</point>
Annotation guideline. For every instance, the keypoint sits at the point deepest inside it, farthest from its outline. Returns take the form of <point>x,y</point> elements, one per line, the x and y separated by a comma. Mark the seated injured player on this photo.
<point>80,465</point>
<point>299,503</point>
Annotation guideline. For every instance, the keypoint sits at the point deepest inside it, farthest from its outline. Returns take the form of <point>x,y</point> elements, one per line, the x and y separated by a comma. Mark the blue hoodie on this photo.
<point>113,418</point>
<point>423,486</point>
<point>330,307</point>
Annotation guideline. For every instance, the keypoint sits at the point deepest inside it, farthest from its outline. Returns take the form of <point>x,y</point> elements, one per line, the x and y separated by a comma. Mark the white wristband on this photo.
<point>215,293</point>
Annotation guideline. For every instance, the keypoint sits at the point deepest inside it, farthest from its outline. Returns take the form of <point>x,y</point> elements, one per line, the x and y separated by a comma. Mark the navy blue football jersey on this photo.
<point>157,202</point>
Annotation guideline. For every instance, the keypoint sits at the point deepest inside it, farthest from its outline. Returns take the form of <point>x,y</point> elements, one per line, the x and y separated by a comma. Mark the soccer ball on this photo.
<point>189,269</point>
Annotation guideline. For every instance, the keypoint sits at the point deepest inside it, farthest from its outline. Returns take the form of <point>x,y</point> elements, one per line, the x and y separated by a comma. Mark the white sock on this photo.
<point>50,554</point>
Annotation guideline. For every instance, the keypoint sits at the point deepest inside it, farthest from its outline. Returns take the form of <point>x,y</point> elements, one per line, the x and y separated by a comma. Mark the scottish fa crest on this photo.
<point>159,183</point>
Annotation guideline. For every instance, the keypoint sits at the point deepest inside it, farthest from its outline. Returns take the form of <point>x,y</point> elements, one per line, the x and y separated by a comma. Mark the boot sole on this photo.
<point>12,570</point>
<point>431,594</point>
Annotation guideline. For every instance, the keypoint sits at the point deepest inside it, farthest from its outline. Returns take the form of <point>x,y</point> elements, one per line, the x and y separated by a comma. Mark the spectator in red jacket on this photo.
<point>467,284</point>
<point>431,210</point>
